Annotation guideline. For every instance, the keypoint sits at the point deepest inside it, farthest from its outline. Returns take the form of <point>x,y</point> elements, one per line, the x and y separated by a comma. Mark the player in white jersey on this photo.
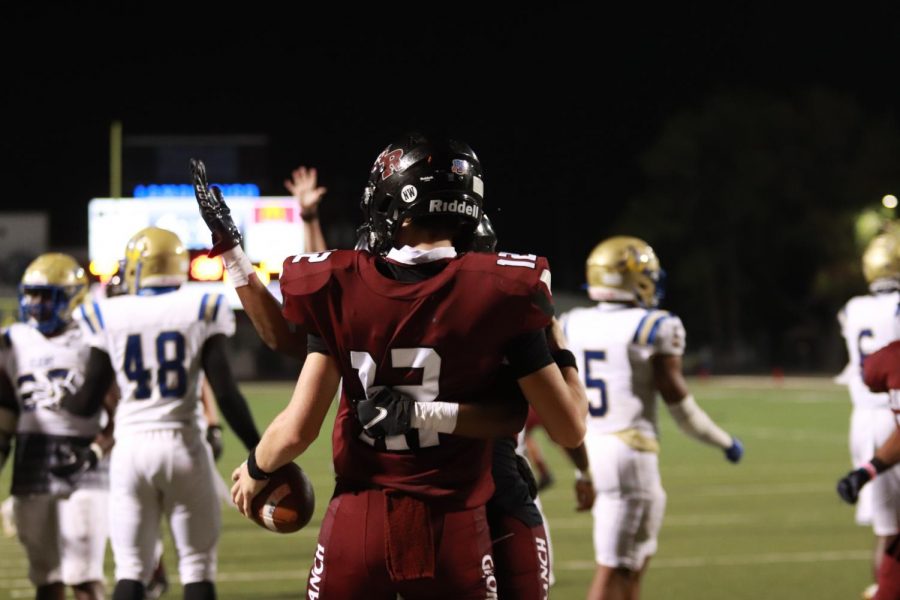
<point>59,482</point>
<point>626,352</point>
<point>157,339</point>
<point>868,323</point>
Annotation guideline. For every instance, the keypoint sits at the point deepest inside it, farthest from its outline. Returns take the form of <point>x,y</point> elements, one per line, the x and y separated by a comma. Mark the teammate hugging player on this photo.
<point>627,350</point>
<point>59,485</point>
<point>418,335</point>
<point>154,341</point>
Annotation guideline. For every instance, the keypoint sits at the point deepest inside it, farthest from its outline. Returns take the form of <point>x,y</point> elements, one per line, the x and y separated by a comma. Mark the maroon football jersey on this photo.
<point>442,339</point>
<point>881,372</point>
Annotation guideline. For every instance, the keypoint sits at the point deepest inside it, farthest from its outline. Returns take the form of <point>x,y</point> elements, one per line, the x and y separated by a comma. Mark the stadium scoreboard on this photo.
<point>270,226</point>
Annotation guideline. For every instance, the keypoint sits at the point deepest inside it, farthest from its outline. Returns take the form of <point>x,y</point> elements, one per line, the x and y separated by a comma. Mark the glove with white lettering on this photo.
<point>386,413</point>
<point>215,212</point>
<point>72,461</point>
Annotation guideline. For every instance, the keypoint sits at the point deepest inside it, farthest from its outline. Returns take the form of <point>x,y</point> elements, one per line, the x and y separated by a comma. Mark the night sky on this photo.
<point>558,105</point>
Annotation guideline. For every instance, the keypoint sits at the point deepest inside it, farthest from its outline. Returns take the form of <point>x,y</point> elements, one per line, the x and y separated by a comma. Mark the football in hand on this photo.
<point>287,502</point>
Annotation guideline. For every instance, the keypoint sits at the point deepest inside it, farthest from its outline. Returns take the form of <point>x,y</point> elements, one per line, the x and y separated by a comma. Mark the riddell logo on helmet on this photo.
<point>454,206</point>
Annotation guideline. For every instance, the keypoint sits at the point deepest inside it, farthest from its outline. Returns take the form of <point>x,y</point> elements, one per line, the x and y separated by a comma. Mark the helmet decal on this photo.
<point>409,193</point>
<point>390,162</point>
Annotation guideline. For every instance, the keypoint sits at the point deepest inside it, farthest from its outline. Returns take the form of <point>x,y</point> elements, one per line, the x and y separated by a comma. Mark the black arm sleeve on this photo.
<point>8,394</point>
<point>315,343</point>
<point>231,402</point>
<point>98,376</point>
<point>528,353</point>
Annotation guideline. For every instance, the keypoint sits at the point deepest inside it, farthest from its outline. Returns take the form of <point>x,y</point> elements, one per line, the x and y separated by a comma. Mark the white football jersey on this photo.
<point>42,369</point>
<point>154,343</point>
<point>613,344</point>
<point>868,323</point>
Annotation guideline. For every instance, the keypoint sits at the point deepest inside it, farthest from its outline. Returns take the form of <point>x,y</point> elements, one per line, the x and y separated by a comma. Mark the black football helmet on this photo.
<point>417,177</point>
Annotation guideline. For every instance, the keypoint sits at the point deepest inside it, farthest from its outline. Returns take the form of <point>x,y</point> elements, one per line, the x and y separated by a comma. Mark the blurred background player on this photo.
<point>627,351</point>
<point>868,323</point>
<point>159,337</point>
<point>59,483</point>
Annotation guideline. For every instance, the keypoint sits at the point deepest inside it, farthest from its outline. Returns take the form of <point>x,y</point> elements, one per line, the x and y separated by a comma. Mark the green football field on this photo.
<point>771,527</point>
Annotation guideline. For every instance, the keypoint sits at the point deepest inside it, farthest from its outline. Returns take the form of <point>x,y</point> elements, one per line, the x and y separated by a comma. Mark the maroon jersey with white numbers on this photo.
<point>443,339</point>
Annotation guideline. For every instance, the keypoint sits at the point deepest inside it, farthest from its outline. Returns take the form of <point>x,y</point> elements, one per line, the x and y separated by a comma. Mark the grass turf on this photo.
<point>771,527</point>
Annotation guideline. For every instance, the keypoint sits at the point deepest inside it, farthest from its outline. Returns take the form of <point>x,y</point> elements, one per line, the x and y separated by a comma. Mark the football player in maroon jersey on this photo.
<point>881,374</point>
<point>413,326</point>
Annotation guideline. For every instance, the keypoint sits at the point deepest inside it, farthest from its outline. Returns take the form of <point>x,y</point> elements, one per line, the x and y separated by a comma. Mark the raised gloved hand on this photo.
<point>71,461</point>
<point>386,413</point>
<point>849,486</point>
<point>215,441</point>
<point>215,212</point>
<point>735,452</point>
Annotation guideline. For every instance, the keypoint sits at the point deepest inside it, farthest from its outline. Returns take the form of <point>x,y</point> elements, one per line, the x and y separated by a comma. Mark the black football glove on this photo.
<point>215,212</point>
<point>72,461</point>
<point>386,413</point>
<point>215,441</point>
<point>849,486</point>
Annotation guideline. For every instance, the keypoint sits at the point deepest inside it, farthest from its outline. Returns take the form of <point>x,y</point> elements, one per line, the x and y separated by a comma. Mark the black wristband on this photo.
<point>254,470</point>
<point>309,217</point>
<point>880,465</point>
<point>565,358</point>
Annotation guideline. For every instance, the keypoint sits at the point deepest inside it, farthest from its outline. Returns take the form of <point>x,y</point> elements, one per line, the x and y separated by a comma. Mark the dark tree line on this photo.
<point>751,200</point>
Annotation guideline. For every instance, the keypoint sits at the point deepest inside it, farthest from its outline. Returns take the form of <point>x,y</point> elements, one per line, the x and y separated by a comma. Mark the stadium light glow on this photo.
<point>889,201</point>
<point>204,268</point>
<point>269,267</point>
<point>103,269</point>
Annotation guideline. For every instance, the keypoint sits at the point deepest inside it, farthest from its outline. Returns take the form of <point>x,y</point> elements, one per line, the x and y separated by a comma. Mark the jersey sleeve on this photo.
<point>525,280</point>
<point>670,337</point>
<point>89,317</point>
<point>304,279</point>
<point>662,332</point>
<point>217,314</point>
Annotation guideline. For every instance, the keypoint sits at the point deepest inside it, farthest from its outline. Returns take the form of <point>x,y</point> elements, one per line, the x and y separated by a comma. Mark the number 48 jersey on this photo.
<point>613,344</point>
<point>154,344</point>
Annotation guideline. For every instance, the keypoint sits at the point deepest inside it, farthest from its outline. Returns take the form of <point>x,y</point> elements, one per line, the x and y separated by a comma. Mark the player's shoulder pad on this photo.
<point>648,327</point>
<point>305,274</point>
<point>90,315</point>
<point>527,270</point>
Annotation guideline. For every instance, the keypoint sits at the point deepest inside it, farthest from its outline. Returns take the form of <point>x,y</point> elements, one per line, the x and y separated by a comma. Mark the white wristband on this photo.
<point>238,266</point>
<point>693,421</point>
<point>439,416</point>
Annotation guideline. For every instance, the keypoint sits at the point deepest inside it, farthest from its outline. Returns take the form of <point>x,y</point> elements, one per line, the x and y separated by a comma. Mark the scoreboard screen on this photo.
<point>271,228</point>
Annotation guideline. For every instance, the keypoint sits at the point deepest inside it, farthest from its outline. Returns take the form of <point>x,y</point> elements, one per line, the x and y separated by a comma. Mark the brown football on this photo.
<point>287,502</point>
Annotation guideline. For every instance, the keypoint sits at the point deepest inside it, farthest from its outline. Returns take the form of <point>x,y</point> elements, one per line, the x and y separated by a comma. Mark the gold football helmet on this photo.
<point>52,287</point>
<point>881,262</point>
<point>625,268</point>
<point>155,258</point>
